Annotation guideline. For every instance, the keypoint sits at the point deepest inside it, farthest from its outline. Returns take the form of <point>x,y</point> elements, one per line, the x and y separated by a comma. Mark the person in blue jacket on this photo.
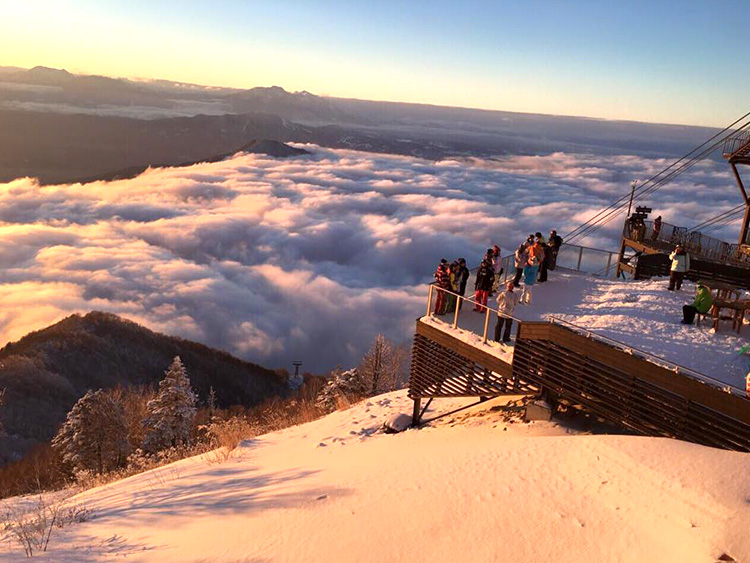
<point>530,272</point>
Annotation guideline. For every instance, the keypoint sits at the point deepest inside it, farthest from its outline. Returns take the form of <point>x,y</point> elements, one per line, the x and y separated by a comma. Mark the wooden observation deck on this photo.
<point>644,253</point>
<point>585,372</point>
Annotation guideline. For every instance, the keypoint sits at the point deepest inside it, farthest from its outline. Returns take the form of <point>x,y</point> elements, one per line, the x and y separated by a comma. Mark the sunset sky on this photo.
<point>653,61</point>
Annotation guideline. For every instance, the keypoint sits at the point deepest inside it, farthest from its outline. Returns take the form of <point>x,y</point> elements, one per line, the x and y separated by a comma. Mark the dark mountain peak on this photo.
<point>299,106</point>
<point>269,91</point>
<point>48,71</point>
<point>272,148</point>
<point>45,76</point>
<point>93,320</point>
<point>48,370</point>
<point>71,326</point>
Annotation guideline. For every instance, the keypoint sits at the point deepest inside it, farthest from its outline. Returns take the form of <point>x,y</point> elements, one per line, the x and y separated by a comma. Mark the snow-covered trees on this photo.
<point>381,370</point>
<point>381,366</point>
<point>172,412</point>
<point>342,387</point>
<point>94,436</point>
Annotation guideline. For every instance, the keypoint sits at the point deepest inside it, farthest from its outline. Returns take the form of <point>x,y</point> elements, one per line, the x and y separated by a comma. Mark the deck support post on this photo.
<point>486,324</point>
<point>458,310</point>
<point>429,300</point>
<point>416,415</point>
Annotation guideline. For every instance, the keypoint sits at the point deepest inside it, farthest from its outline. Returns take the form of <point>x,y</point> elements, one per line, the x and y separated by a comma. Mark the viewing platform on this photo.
<point>572,363</point>
<point>645,254</point>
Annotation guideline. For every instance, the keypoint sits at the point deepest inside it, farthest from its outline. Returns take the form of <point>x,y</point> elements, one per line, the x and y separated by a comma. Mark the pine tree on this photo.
<point>94,436</point>
<point>172,412</point>
<point>380,366</point>
<point>342,387</point>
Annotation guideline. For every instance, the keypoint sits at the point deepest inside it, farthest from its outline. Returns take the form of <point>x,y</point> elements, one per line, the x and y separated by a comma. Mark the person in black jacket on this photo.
<point>462,275</point>
<point>483,285</point>
<point>545,262</point>
<point>554,244</point>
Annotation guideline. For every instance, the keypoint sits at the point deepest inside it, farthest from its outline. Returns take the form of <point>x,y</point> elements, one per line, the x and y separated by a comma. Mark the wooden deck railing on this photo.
<point>573,365</point>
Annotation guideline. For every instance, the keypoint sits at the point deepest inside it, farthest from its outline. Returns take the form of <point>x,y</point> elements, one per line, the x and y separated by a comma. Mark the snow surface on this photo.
<point>641,314</point>
<point>475,486</point>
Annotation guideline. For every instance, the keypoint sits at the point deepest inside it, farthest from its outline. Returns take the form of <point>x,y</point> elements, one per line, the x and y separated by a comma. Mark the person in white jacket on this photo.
<point>506,304</point>
<point>680,266</point>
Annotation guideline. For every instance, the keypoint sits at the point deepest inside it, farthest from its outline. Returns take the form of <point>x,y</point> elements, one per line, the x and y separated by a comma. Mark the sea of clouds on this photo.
<point>300,259</point>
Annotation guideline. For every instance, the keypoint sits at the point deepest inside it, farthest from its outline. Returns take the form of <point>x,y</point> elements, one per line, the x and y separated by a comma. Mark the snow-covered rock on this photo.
<point>397,423</point>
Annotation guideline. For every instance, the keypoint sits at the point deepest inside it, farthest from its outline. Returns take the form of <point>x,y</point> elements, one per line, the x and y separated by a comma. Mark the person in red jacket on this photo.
<point>657,228</point>
<point>483,285</point>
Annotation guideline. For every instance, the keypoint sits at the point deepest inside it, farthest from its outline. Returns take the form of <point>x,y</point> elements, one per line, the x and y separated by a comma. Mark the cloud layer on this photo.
<point>309,258</point>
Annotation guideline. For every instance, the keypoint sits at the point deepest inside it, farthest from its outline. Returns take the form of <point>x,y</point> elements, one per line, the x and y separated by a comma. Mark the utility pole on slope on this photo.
<point>633,184</point>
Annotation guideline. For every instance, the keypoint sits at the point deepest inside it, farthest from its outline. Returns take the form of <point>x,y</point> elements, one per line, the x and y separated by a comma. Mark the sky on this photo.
<point>656,61</point>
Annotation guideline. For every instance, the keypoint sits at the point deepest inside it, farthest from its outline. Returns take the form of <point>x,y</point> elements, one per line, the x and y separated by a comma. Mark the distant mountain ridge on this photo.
<point>114,124</point>
<point>268,147</point>
<point>46,371</point>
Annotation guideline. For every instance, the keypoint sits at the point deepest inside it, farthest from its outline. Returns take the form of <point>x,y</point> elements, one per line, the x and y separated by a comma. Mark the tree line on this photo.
<point>124,430</point>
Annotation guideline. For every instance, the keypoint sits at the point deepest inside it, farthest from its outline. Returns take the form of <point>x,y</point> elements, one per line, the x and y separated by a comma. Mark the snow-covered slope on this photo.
<point>477,486</point>
<point>642,314</point>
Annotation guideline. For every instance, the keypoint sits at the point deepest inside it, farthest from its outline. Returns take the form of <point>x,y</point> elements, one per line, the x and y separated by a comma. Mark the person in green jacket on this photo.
<point>702,305</point>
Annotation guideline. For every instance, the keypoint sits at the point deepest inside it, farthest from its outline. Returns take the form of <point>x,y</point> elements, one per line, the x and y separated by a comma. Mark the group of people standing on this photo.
<point>488,277</point>
<point>532,260</point>
<point>451,277</point>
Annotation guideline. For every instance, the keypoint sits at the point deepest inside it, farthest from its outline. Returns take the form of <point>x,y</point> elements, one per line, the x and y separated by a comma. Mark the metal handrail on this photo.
<point>658,360</point>
<point>433,288</point>
<point>508,261</point>
<point>735,143</point>
<point>654,359</point>
<point>696,243</point>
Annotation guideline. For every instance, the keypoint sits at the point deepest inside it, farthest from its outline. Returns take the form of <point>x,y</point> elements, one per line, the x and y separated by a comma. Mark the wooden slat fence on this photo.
<point>585,373</point>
